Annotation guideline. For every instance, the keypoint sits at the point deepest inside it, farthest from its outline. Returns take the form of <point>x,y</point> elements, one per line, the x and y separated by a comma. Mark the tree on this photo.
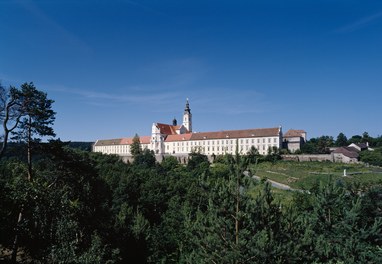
<point>372,157</point>
<point>355,139</point>
<point>253,155</point>
<point>365,137</point>
<point>10,113</point>
<point>37,119</point>
<point>135,147</point>
<point>323,144</point>
<point>341,140</point>
<point>318,145</point>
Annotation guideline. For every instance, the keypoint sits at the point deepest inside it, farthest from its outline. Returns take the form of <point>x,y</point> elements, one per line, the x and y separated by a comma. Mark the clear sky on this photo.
<point>114,67</point>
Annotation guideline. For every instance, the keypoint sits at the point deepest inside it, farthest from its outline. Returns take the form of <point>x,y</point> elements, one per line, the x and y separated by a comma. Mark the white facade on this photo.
<point>174,139</point>
<point>223,146</point>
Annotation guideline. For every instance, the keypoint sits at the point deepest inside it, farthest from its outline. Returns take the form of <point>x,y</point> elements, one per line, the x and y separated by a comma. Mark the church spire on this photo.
<point>187,108</point>
<point>187,117</point>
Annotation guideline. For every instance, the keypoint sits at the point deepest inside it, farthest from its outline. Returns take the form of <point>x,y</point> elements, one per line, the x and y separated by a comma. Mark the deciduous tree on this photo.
<point>341,140</point>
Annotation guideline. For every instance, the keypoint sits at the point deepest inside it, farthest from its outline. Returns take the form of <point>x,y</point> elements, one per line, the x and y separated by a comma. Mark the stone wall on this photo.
<point>309,157</point>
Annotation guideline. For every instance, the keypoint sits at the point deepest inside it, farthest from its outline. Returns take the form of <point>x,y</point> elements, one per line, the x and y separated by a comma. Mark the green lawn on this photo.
<point>303,175</point>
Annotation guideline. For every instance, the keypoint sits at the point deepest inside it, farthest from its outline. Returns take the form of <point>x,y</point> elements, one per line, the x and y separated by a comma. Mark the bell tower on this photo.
<point>187,117</point>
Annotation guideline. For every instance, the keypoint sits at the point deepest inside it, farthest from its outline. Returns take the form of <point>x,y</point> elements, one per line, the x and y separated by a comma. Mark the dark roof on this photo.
<point>108,142</point>
<point>121,141</point>
<point>349,152</point>
<point>362,145</point>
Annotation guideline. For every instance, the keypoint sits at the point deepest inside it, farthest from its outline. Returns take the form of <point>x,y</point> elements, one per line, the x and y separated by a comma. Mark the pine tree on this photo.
<point>135,147</point>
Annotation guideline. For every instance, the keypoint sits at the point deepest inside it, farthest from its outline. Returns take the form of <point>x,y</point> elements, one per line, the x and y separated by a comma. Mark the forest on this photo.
<point>61,204</point>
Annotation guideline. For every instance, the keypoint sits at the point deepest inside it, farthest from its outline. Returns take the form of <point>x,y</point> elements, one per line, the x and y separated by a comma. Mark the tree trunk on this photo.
<point>237,209</point>
<point>5,140</point>
<point>15,245</point>
<point>29,146</point>
<point>5,126</point>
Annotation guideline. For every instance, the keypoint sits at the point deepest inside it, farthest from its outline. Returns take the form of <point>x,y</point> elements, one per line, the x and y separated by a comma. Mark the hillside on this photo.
<point>303,175</point>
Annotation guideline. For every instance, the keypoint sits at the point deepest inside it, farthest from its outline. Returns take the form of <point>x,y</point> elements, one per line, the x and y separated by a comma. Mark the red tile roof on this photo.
<point>181,137</point>
<point>247,133</point>
<point>128,141</point>
<point>167,129</point>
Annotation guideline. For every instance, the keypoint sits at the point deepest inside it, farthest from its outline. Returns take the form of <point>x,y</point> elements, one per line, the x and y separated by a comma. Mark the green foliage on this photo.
<point>372,157</point>
<point>318,145</point>
<point>38,115</point>
<point>341,140</point>
<point>198,162</point>
<point>87,207</point>
<point>146,158</point>
<point>253,155</point>
<point>304,175</point>
<point>169,163</point>
<point>87,146</point>
<point>135,147</point>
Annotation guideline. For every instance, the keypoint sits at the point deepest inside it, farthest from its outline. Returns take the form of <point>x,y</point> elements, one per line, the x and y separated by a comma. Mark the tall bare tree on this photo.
<point>10,113</point>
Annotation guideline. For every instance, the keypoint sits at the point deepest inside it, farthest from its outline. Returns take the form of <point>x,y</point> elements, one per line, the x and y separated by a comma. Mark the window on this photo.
<point>274,140</point>
<point>263,140</point>
<point>269,140</point>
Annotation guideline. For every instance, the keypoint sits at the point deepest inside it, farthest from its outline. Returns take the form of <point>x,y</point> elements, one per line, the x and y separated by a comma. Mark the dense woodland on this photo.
<point>64,205</point>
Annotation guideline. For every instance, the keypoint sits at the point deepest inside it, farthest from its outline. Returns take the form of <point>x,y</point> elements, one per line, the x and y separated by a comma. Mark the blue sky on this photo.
<point>115,67</point>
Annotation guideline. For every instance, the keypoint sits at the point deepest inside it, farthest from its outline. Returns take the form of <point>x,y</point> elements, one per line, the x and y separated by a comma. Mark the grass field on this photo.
<point>303,175</point>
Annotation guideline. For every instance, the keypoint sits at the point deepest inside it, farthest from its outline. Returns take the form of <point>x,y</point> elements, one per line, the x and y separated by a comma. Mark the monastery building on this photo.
<point>177,140</point>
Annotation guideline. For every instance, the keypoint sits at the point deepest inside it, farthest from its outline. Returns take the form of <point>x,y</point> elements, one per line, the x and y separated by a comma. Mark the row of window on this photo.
<point>225,142</point>
<point>220,149</point>
<point>208,146</point>
<point>116,149</point>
